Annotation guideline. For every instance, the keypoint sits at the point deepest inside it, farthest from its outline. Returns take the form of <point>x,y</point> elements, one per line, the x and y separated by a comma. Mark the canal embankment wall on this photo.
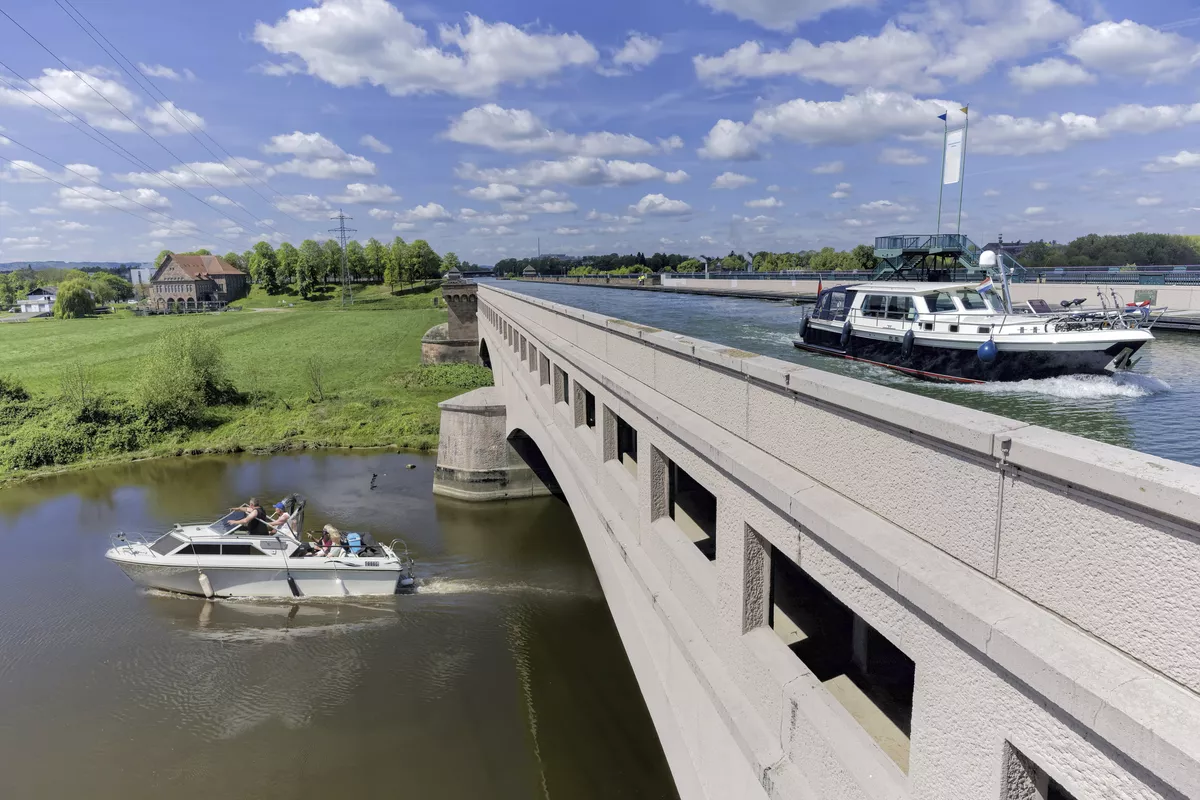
<point>1045,588</point>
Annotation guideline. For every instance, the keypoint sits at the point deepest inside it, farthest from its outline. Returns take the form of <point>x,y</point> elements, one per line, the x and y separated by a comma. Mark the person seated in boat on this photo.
<point>280,520</point>
<point>330,544</point>
<point>253,519</point>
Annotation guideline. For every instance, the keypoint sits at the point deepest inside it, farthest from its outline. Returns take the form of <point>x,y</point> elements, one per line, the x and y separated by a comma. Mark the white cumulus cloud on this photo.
<point>1184,159</point>
<point>351,42</point>
<point>1134,50</point>
<point>732,180</point>
<point>765,202</point>
<point>366,193</point>
<point>574,171</point>
<point>638,51</point>
<point>371,143</point>
<point>660,205</point>
<point>781,15</point>
<point>1048,73</point>
<point>520,131</point>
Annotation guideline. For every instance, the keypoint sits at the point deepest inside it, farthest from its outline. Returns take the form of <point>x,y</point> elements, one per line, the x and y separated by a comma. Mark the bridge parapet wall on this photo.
<point>1050,583</point>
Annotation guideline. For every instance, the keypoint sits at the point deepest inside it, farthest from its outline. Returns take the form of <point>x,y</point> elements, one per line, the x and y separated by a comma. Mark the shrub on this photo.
<point>35,447</point>
<point>183,375</point>
<point>447,376</point>
<point>12,391</point>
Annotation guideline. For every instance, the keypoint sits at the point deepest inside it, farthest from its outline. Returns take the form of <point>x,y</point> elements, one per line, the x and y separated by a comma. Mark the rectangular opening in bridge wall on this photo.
<point>524,348</point>
<point>693,508</point>
<point>1023,779</point>
<point>620,441</point>
<point>871,677</point>
<point>544,371</point>
<point>533,358</point>
<point>585,407</point>
<point>561,384</point>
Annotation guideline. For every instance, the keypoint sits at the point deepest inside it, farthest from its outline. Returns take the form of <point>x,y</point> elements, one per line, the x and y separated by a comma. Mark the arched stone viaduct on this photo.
<point>830,589</point>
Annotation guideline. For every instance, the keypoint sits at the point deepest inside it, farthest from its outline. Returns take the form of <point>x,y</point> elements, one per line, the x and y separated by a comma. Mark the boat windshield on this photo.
<point>972,300</point>
<point>225,524</point>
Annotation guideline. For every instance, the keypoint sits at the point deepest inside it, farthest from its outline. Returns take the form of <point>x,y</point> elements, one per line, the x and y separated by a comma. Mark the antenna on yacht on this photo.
<point>1008,306</point>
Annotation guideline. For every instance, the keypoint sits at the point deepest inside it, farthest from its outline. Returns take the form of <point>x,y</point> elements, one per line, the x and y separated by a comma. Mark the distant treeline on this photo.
<point>305,268</point>
<point>827,259</point>
<point>1094,250</point>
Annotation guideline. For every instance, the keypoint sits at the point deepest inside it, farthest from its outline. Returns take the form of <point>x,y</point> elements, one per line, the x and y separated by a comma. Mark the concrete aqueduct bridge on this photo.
<point>830,589</point>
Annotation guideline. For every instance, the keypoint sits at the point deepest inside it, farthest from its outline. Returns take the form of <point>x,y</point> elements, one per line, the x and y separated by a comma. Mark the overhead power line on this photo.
<point>134,122</point>
<point>44,176</point>
<point>167,105</point>
<point>114,147</point>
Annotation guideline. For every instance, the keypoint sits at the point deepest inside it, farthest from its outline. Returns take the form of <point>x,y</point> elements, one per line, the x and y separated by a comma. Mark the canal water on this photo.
<point>501,676</point>
<point>1153,409</point>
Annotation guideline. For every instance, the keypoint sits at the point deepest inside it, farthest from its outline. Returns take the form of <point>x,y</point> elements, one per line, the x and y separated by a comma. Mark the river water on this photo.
<point>1152,409</point>
<point>501,676</point>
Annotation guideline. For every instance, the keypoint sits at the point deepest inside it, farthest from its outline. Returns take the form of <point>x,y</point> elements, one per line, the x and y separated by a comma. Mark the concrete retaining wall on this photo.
<point>1047,587</point>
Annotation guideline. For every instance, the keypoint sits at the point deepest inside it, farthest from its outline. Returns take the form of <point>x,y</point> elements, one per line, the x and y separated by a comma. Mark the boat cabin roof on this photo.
<point>898,288</point>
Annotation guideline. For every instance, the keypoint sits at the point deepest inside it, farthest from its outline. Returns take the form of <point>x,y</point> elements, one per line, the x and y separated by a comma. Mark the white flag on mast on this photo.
<point>954,154</point>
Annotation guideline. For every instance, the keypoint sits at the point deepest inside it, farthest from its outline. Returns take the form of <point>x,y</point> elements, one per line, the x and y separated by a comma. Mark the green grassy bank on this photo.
<point>370,389</point>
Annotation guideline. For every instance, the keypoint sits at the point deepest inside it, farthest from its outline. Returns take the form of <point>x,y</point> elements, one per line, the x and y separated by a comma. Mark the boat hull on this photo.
<point>962,365</point>
<point>321,578</point>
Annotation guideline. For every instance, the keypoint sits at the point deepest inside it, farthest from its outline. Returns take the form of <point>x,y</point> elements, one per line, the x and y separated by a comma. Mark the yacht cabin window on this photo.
<point>832,304</point>
<point>887,306</point>
<point>165,544</point>
<point>942,301</point>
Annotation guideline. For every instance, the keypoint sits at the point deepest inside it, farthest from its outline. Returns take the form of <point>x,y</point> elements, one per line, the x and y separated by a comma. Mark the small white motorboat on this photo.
<point>220,559</point>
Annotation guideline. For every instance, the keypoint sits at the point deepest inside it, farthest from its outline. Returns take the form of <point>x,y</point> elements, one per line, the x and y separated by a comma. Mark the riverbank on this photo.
<point>311,375</point>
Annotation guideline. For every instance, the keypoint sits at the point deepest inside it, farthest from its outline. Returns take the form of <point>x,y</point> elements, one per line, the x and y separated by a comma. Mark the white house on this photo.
<point>38,301</point>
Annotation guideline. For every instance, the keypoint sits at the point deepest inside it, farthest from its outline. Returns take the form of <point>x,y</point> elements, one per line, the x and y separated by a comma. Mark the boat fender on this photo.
<point>987,351</point>
<point>206,585</point>
<point>803,327</point>
<point>847,330</point>
<point>907,346</point>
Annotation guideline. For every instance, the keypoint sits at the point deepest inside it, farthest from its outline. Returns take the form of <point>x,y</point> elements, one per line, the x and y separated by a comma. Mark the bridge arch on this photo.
<point>485,357</point>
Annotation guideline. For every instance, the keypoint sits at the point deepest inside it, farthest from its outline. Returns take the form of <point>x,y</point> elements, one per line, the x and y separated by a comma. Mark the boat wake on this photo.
<point>1078,387</point>
<point>465,586</point>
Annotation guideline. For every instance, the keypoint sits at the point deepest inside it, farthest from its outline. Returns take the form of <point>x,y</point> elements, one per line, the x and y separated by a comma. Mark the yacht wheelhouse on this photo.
<point>955,332</point>
<point>222,559</point>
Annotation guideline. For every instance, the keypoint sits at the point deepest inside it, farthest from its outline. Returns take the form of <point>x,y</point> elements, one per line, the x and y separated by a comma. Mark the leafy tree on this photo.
<point>377,257</point>
<point>263,265</point>
<point>108,287</point>
<point>356,259</point>
<point>203,251</point>
<point>864,257</point>
<point>449,262</point>
<point>287,259</point>
<point>309,266</point>
<point>394,270</point>
<point>236,260</point>
<point>733,262</point>
<point>333,260</point>
<point>690,265</point>
<point>422,262</point>
<point>8,291</point>
<point>75,275</point>
<point>74,300</point>
<point>162,254</point>
<point>1036,255</point>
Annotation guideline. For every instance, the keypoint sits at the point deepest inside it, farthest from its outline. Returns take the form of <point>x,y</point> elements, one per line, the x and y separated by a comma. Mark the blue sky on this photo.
<point>690,126</point>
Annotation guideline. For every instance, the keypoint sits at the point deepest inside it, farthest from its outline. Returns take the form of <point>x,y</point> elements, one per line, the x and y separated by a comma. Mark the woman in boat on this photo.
<point>330,544</point>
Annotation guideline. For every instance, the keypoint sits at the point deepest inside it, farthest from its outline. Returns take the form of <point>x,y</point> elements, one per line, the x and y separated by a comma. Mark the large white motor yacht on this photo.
<point>221,559</point>
<point>955,332</point>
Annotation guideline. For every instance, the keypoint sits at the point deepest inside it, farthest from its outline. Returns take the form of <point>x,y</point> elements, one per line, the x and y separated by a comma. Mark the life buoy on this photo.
<point>906,347</point>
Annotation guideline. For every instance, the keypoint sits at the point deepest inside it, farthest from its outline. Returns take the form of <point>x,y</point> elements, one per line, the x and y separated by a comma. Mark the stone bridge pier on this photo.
<point>830,589</point>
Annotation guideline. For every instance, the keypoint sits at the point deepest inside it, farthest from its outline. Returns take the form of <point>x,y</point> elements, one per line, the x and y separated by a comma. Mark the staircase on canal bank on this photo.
<point>833,589</point>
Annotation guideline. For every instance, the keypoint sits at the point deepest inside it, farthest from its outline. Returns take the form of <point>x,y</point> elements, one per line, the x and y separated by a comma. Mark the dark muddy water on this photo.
<point>502,676</point>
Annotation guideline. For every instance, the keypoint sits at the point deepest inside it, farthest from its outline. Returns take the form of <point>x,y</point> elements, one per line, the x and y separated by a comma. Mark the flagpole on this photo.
<point>942,174</point>
<point>962,179</point>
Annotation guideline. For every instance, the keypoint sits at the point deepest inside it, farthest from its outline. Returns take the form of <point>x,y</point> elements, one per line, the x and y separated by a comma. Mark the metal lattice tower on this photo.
<point>341,230</point>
